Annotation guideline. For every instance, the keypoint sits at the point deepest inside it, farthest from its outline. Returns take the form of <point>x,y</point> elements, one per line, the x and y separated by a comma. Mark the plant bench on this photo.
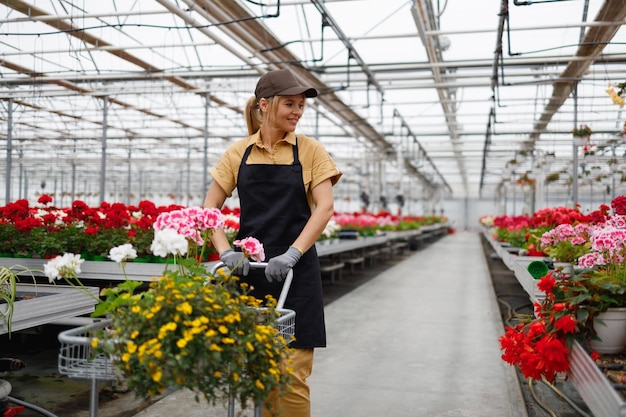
<point>399,247</point>
<point>353,261</point>
<point>372,256</point>
<point>332,269</point>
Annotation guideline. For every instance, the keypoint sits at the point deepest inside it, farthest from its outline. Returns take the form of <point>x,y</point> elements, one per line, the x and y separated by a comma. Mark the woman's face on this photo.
<point>288,112</point>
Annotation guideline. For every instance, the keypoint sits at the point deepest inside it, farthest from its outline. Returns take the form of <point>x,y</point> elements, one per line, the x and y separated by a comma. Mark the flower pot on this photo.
<point>213,257</point>
<point>581,140</point>
<point>611,331</point>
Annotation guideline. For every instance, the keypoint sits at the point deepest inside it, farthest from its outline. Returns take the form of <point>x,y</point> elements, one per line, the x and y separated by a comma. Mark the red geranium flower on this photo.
<point>44,199</point>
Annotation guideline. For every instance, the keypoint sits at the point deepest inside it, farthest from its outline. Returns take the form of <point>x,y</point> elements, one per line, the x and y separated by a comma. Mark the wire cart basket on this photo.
<point>77,360</point>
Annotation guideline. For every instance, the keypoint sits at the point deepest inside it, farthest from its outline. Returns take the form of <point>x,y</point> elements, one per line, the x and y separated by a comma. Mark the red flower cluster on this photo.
<point>540,345</point>
<point>512,222</point>
<point>48,231</point>
<point>552,217</point>
<point>619,205</point>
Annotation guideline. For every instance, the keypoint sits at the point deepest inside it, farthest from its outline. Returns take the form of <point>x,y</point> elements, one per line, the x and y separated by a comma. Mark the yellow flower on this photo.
<point>94,342</point>
<point>171,326</point>
<point>156,376</point>
<point>615,96</point>
<point>259,384</point>
<point>250,346</point>
<point>223,329</point>
<point>131,347</point>
<point>232,318</point>
<point>184,308</point>
<point>181,343</point>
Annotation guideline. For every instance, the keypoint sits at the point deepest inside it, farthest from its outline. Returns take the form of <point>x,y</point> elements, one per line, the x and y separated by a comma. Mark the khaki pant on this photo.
<point>297,401</point>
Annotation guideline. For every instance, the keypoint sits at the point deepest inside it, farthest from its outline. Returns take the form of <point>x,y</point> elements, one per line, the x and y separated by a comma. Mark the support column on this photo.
<point>128,174</point>
<point>7,189</point>
<point>103,159</point>
<point>205,156</point>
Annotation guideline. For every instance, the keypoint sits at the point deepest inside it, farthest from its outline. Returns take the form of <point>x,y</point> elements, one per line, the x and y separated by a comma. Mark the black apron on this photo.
<point>274,210</point>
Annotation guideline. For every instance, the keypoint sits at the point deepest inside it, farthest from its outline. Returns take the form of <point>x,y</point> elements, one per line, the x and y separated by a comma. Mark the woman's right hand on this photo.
<point>236,262</point>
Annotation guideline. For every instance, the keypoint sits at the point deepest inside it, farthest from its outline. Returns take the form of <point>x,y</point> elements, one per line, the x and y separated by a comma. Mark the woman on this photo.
<point>285,185</point>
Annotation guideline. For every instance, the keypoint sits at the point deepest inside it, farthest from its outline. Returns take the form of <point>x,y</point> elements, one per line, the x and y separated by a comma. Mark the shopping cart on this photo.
<point>77,359</point>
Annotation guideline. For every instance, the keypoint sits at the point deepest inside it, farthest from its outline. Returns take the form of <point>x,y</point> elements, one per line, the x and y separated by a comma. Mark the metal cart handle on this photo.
<point>286,284</point>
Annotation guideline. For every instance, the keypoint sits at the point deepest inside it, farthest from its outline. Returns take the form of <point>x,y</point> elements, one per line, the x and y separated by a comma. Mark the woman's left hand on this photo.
<point>278,267</point>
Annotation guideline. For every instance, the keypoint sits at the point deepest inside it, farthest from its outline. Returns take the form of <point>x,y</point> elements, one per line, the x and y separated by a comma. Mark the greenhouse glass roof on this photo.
<point>426,99</point>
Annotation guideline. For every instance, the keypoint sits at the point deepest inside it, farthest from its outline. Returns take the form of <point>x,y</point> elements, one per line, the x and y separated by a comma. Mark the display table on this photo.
<point>39,304</point>
<point>138,271</point>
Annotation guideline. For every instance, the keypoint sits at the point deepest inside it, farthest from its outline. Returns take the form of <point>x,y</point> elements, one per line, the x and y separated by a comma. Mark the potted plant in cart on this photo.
<point>192,328</point>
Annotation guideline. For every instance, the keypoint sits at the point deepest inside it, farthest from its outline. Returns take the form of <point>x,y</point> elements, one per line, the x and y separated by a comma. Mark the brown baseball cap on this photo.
<point>281,83</point>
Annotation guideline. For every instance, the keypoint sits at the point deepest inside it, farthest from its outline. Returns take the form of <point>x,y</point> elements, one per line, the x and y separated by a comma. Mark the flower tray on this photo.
<point>594,388</point>
<point>40,304</point>
<point>101,270</point>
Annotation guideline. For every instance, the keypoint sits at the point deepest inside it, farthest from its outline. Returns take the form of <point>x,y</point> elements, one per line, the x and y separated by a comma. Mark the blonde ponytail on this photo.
<point>253,115</point>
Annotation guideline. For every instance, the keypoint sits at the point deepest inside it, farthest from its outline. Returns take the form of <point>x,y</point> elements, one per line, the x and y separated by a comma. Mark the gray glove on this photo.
<point>236,262</point>
<point>278,266</point>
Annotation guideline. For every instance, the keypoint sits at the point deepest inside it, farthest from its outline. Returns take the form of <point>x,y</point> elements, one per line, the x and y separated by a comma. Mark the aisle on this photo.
<point>419,340</point>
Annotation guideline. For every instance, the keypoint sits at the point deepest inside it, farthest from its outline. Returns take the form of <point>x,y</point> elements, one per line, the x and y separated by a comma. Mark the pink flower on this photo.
<point>618,221</point>
<point>589,260</point>
<point>190,222</point>
<point>251,248</point>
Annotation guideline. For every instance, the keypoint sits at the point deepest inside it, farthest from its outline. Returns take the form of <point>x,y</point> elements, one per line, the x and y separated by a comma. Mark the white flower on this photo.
<point>51,269</point>
<point>122,253</point>
<point>167,241</point>
<point>66,266</point>
<point>331,229</point>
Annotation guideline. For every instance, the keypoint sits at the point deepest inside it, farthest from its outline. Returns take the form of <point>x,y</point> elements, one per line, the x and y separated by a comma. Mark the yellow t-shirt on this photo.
<point>317,164</point>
